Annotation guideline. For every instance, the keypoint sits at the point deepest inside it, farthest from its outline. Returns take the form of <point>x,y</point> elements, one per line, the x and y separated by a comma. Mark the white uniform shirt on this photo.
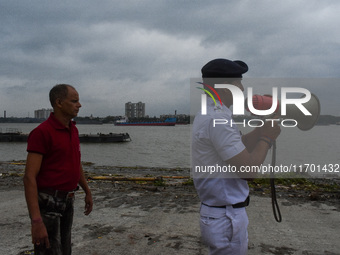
<point>212,147</point>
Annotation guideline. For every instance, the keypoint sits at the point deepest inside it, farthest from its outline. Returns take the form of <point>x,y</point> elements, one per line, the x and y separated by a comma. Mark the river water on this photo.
<point>169,147</point>
<point>149,146</point>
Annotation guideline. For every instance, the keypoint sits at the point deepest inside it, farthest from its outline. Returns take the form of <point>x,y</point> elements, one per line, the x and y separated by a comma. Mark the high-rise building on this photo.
<point>42,113</point>
<point>135,110</point>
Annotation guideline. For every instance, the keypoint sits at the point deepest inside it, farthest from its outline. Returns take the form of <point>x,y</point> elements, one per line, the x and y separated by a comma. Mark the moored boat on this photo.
<point>13,137</point>
<point>105,138</point>
<point>167,122</point>
<point>83,138</point>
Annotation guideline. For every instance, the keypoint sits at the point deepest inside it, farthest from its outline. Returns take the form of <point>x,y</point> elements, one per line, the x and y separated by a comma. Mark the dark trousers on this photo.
<point>57,215</point>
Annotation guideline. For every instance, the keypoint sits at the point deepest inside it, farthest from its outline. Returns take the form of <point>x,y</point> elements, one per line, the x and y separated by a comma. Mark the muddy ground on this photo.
<point>161,217</point>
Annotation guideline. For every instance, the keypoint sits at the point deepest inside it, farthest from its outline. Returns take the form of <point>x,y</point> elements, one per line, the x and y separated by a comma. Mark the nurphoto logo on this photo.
<point>278,107</point>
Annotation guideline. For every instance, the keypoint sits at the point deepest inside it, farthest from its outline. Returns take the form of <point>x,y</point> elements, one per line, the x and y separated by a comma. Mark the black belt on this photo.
<point>238,205</point>
<point>59,193</point>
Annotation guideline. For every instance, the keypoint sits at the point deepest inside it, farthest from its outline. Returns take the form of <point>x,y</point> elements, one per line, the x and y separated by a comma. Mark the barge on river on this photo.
<point>17,136</point>
<point>167,122</point>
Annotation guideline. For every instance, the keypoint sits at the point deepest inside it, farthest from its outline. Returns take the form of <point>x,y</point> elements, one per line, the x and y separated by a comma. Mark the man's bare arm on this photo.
<point>39,232</point>
<point>88,196</point>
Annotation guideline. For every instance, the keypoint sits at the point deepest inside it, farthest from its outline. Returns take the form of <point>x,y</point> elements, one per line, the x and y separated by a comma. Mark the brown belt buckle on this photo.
<point>70,194</point>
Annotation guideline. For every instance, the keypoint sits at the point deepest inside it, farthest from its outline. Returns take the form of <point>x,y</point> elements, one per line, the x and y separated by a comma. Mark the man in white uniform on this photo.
<point>225,194</point>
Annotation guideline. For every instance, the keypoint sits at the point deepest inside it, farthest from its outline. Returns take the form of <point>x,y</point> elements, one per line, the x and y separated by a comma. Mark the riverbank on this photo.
<point>161,216</point>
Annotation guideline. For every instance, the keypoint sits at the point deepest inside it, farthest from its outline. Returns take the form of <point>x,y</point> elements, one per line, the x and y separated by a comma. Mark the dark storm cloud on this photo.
<point>119,51</point>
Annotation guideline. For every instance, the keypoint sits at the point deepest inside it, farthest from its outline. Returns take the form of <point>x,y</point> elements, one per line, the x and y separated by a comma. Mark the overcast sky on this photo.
<point>119,51</point>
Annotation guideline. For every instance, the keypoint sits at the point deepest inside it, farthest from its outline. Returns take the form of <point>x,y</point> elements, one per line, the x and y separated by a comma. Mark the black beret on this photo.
<point>224,68</point>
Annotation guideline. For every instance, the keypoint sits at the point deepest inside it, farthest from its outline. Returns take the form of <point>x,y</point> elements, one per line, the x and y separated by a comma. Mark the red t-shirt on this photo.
<point>60,167</point>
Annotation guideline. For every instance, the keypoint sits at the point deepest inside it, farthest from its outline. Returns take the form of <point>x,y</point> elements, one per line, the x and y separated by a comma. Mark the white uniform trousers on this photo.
<point>224,230</point>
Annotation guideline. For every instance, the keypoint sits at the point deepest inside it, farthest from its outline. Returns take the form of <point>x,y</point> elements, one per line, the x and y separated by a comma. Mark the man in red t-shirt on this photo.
<point>53,172</point>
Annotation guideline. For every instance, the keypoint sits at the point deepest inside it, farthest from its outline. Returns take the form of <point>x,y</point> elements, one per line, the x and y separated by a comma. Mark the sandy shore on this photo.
<point>141,218</point>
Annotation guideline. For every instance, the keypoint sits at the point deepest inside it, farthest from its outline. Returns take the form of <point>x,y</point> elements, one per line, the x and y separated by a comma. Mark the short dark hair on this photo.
<point>59,91</point>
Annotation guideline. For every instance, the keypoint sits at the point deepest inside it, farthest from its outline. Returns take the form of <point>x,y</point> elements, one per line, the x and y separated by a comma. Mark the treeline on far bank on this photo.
<point>98,120</point>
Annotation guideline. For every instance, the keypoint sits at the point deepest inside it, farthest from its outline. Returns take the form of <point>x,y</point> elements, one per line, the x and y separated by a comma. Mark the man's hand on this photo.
<point>88,204</point>
<point>271,129</point>
<point>39,233</point>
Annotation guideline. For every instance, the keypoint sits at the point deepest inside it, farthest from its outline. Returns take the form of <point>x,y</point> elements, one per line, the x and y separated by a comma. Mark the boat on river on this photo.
<point>167,122</point>
<point>105,138</point>
<point>14,135</point>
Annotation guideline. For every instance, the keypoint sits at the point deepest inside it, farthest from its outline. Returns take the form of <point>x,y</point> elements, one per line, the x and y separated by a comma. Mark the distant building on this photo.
<point>42,113</point>
<point>135,110</point>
